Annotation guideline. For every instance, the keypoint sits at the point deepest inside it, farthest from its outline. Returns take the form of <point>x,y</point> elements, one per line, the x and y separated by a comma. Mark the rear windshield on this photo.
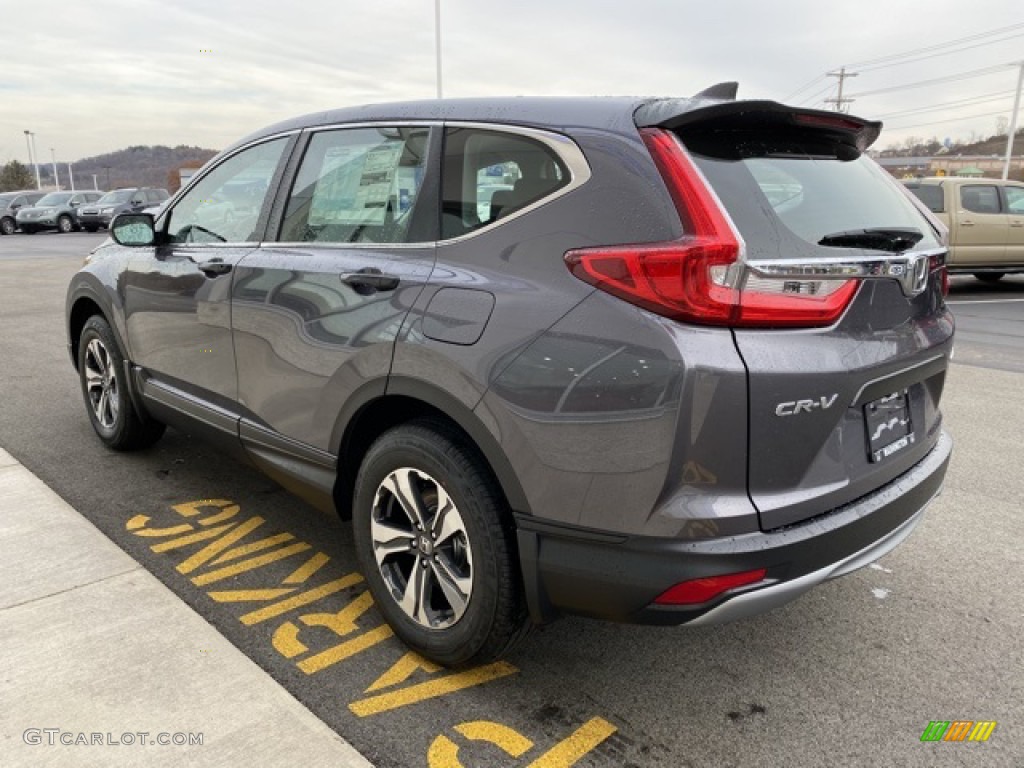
<point>117,196</point>
<point>787,194</point>
<point>929,194</point>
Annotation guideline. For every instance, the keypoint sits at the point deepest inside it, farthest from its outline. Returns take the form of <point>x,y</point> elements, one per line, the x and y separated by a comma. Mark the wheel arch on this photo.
<point>79,313</point>
<point>404,400</point>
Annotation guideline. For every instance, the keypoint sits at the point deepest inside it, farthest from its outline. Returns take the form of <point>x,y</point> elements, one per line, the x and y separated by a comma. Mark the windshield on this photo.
<point>804,188</point>
<point>55,198</point>
<point>117,196</point>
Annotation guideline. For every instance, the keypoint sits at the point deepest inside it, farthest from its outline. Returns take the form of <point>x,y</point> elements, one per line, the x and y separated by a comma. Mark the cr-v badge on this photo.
<point>793,407</point>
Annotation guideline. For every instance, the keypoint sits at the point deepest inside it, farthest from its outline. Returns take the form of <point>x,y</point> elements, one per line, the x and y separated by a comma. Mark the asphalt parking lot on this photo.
<point>850,674</point>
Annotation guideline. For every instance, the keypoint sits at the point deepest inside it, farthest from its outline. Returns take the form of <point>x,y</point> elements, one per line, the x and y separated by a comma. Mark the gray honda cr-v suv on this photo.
<point>660,361</point>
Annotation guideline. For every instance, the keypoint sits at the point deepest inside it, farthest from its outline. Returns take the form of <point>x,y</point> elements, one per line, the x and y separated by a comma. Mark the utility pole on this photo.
<point>53,159</point>
<point>437,43</point>
<point>1013,123</point>
<point>71,176</point>
<point>839,101</point>
<point>94,184</point>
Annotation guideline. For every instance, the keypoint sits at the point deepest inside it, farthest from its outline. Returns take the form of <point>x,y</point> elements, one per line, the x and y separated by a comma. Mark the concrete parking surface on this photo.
<point>850,674</point>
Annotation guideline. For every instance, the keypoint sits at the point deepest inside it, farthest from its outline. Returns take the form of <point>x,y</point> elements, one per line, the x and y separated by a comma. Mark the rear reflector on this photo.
<point>688,279</point>
<point>701,590</point>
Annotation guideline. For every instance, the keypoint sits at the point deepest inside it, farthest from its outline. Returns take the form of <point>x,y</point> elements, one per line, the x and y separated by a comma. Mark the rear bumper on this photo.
<point>571,570</point>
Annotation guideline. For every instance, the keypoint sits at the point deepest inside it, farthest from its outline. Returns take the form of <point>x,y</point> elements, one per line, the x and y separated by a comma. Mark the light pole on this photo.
<point>35,154</point>
<point>71,176</point>
<point>31,157</point>
<point>1013,122</point>
<point>53,159</point>
<point>437,43</point>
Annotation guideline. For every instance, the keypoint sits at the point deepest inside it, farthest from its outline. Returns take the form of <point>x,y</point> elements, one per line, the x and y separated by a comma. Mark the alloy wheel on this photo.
<point>101,383</point>
<point>421,548</point>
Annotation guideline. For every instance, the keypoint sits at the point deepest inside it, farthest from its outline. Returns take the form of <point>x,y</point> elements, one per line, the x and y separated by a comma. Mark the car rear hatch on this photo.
<point>845,401</point>
<point>831,279</point>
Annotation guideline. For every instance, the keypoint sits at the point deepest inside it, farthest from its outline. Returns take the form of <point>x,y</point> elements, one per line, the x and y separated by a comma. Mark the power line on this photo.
<point>940,53</point>
<point>940,122</point>
<point>814,96</point>
<point>935,80</point>
<point>972,101</point>
<point>803,88</point>
<point>935,47</point>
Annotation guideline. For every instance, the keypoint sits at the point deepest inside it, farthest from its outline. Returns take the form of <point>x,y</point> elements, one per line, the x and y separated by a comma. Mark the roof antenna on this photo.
<point>722,91</point>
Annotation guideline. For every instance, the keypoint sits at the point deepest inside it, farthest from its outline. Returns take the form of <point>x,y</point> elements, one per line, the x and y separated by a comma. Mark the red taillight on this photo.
<point>701,590</point>
<point>939,263</point>
<point>687,279</point>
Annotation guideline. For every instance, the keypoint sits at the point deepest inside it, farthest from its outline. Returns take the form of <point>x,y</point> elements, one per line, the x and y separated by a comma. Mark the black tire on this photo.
<point>493,617</point>
<point>989,277</point>
<point>65,224</point>
<point>7,226</point>
<point>101,372</point>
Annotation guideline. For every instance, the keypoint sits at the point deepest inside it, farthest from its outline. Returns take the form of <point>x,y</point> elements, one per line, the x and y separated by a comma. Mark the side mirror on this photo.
<point>133,229</point>
<point>75,203</point>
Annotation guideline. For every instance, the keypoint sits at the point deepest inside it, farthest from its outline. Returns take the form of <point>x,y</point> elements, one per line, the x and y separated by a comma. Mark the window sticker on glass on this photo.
<point>355,184</point>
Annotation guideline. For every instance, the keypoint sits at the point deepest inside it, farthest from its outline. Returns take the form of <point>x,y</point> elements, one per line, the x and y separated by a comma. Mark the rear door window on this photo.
<point>358,185</point>
<point>1015,200</point>
<point>980,198</point>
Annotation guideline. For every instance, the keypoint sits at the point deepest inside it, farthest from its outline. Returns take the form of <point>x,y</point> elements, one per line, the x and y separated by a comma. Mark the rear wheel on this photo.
<point>7,226</point>
<point>65,224</point>
<point>989,277</point>
<point>110,408</point>
<point>435,542</point>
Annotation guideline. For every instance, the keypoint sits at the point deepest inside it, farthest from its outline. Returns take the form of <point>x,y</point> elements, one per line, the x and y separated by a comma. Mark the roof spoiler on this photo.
<point>716,108</point>
<point>722,91</point>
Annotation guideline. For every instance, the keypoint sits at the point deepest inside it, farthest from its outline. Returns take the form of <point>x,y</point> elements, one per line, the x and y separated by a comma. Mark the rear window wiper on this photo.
<point>893,239</point>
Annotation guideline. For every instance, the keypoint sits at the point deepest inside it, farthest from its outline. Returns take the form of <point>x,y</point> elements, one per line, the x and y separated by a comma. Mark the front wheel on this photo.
<point>7,226</point>
<point>101,373</point>
<point>436,545</point>
<point>65,224</point>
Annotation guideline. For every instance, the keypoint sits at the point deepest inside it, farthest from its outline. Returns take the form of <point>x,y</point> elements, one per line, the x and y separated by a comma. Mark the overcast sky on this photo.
<point>97,76</point>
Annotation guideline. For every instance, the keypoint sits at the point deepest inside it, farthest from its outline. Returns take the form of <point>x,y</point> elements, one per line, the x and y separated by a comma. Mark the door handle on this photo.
<point>214,267</point>
<point>966,223</point>
<point>1016,223</point>
<point>369,280</point>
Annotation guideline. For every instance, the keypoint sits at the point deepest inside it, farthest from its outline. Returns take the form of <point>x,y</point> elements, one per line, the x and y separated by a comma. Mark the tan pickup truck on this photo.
<point>985,219</point>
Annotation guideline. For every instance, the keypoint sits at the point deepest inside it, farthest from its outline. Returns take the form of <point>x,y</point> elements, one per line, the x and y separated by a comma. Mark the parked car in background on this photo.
<point>985,218</point>
<point>674,373</point>
<point>10,204</point>
<point>127,200</point>
<point>57,210</point>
